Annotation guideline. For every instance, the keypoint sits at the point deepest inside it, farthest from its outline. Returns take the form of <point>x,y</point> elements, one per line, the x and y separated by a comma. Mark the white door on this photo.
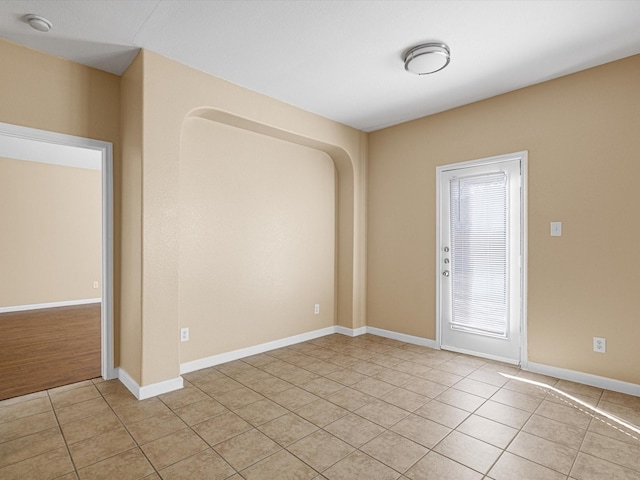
<point>480,257</point>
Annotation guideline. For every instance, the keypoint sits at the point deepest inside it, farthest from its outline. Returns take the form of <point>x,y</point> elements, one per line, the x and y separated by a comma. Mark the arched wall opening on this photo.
<point>265,233</point>
<point>159,97</point>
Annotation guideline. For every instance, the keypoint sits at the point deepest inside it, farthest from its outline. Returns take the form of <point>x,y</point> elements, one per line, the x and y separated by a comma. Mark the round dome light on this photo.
<point>427,58</point>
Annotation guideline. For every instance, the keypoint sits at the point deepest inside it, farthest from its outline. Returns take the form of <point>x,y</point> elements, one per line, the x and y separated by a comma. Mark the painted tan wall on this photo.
<point>53,94</point>
<point>173,93</point>
<point>257,238</point>
<point>130,335</point>
<point>581,132</point>
<point>50,246</point>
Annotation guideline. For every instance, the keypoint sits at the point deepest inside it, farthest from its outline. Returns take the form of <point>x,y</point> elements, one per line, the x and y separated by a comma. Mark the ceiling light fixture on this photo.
<point>427,58</point>
<point>38,23</point>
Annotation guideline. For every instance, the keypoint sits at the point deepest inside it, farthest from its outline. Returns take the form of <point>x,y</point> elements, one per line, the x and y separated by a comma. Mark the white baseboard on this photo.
<point>40,306</point>
<point>253,350</point>
<point>214,360</point>
<point>350,332</point>
<point>176,383</point>
<point>585,378</point>
<point>403,337</point>
<point>148,391</point>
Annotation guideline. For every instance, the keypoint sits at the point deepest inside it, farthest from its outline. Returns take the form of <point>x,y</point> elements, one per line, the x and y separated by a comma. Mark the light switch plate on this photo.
<point>556,229</point>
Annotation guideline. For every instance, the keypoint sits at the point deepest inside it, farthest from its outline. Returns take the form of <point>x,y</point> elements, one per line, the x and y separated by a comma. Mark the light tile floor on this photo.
<point>336,408</point>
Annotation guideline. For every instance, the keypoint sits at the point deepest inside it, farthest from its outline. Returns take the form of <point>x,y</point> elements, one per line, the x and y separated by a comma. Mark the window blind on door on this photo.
<point>479,244</point>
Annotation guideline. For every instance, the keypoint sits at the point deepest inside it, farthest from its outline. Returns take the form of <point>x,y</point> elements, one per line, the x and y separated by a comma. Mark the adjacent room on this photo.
<point>320,239</point>
<point>52,265</point>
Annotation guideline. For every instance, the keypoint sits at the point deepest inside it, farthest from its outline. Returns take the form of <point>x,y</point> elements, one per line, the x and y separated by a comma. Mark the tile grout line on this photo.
<point>520,430</point>
<point>93,436</point>
<point>137,446</point>
<point>64,439</point>
<point>209,447</point>
<point>573,464</point>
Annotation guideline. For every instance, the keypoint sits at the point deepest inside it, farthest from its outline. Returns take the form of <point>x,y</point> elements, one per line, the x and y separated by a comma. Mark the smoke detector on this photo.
<point>38,23</point>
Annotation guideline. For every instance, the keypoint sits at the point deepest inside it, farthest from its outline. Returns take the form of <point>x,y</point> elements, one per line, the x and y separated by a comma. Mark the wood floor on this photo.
<point>41,349</point>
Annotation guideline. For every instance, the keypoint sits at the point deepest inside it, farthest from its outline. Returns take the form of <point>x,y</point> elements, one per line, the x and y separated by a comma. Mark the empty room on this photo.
<point>319,240</point>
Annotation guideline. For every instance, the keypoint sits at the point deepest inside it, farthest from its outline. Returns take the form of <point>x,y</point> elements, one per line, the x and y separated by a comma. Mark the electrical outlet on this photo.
<point>316,309</point>
<point>184,334</point>
<point>599,344</point>
<point>95,284</point>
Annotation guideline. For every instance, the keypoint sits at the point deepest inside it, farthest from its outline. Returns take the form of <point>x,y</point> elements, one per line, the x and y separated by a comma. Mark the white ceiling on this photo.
<point>342,59</point>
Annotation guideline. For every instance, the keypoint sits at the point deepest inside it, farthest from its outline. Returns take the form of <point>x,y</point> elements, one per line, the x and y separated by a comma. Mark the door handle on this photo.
<point>445,273</point>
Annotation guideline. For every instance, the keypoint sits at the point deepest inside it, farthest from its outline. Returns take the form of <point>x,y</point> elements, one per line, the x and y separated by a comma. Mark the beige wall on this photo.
<point>172,93</point>
<point>129,339</point>
<point>50,93</point>
<point>581,132</point>
<point>50,246</point>
<point>257,238</point>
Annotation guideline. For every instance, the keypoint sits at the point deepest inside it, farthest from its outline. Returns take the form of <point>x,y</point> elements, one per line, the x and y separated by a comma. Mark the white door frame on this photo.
<point>106,150</point>
<point>523,157</point>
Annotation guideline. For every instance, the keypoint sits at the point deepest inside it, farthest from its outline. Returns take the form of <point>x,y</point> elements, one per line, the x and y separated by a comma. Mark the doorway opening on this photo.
<point>32,145</point>
<point>481,257</point>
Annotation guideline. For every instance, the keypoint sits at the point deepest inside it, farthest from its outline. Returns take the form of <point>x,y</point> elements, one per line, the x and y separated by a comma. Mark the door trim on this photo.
<point>106,151</point>
<point>524,169</point>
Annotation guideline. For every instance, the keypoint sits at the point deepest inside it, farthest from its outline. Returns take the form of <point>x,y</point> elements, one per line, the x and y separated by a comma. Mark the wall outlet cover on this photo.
<point>184,334</point>
<point>599,344</point>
